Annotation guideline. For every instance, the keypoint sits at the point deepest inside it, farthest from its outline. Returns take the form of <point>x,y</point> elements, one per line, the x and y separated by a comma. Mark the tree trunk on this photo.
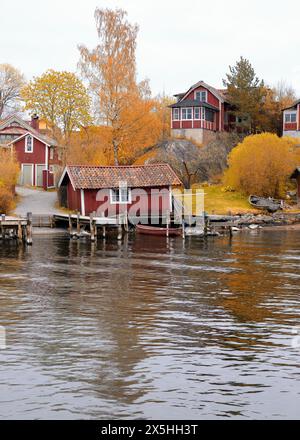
<point>116,152</point>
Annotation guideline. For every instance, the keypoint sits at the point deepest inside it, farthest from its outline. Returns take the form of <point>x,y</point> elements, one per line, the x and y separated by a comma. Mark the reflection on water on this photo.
<point>150,329</point>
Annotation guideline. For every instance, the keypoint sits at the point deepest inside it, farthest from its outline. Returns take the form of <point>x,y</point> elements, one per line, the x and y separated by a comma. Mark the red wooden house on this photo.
<point>35,151</point>
<point>291,120</point>
<point>141,191</point>
<point>201,111</point>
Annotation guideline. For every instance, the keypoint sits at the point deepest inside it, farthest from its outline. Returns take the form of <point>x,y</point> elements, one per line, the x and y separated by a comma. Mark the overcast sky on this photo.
<point>179,42</point>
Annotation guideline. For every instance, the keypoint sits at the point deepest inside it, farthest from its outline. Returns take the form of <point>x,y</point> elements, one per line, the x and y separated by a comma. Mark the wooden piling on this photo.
<point>2,228</point>
<point>168,223</point>
<point>103,228</point>
<point>29,229</point>
<point>70,224</point>
<point>92,228</point>
<point>183,230</point>
<point>120,229</point>
<point>78,223</point>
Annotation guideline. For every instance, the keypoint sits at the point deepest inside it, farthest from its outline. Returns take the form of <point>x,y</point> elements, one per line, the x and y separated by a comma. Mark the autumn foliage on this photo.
<point>9,172</point>
<point>262,164</point>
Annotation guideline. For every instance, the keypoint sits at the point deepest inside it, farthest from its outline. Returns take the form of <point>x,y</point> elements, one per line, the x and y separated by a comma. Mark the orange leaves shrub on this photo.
<point>9,172</point>
<point>6,200</point>
<point>262,165</point>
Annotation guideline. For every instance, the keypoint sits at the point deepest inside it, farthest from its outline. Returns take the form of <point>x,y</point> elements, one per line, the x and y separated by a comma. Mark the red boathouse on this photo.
<point>141,191</point>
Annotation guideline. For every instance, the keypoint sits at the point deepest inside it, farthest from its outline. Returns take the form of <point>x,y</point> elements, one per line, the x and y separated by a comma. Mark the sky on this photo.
<point>179,42</point>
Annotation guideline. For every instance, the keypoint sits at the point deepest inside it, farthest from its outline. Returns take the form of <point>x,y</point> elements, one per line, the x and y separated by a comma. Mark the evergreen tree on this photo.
<point>246,93</point>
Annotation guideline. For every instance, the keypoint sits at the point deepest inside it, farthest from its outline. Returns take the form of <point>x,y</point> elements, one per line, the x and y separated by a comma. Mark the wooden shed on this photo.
<point>141,191</point>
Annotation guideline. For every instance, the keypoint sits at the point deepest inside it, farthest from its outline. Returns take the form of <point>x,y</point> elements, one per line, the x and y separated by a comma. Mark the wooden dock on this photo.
<point>93,226</point>
<point>16,228</point>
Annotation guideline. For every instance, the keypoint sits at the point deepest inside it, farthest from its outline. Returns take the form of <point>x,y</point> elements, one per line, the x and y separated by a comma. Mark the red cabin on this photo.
<point>141,191</point>
<point>35,151</point>
<point>291,120</point>
<point>200,111</point>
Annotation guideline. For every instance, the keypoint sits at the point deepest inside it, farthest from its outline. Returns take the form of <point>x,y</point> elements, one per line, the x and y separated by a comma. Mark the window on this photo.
<point>201,96</point>
<point>291,117</point>
<point>209,115</point>
<point>51,154</point>
<point>176,114</point>
<point>203,113</point>
<point>187,113</point>
<point>197,113</point>
<point>28,144</point>
<point>120,195</point>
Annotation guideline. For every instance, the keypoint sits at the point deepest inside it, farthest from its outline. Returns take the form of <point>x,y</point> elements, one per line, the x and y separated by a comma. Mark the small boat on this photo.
<point>267,204</point>
<point>156,230</point>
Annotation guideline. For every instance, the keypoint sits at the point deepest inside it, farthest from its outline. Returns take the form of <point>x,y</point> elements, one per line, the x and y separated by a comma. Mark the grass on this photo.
<point>217,201</point>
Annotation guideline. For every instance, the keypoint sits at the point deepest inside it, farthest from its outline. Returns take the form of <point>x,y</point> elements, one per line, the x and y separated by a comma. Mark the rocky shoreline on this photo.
<point>254,221</point>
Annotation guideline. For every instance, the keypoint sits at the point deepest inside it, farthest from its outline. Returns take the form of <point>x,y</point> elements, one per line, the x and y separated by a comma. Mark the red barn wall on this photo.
<point>211,99</point>
<point>73,198</point>
<point>38,155</point>
<point>143,200</point>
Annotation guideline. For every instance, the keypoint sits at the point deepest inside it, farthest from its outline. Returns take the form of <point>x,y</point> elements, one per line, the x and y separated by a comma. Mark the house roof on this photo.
<point>7,125</point>
<point>142,176</point>
<point>193,103</point>
<point>218,93</point>
<point>296,173</point>
<point>291,106</point>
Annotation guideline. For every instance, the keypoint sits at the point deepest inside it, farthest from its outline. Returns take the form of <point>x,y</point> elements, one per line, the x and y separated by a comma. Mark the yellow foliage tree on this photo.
<point>61,99</point>
<point>262,164</point>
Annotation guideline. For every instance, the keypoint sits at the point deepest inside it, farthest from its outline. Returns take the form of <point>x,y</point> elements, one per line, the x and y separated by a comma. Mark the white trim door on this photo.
<point>39,174</point>
<point>26,177</point>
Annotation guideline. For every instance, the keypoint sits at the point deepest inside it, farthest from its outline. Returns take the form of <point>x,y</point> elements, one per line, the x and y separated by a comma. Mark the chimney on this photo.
<point>35,121</point>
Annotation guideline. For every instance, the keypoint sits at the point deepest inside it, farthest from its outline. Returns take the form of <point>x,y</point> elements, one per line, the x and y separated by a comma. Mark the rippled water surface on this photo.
<point>150,329</point>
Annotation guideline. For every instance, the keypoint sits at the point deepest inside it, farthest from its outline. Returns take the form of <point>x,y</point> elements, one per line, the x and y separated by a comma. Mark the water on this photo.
<point>150,329</point>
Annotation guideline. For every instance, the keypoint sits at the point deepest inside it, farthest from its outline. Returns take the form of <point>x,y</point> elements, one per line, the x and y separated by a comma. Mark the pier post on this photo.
<point>126,221</point>
<point>70,224</point>
<point>2,228</point>
<point>19,232</point>
<point>120,232</point>
<point>104,228</point>
<point>183,230</point>
<point>167,221</point>
<point>78,223</point>
<point>92,228</point>
<point>29,229</point>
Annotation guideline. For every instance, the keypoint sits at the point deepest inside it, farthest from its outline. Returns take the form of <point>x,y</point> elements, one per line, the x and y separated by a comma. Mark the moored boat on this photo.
<point>267,204</point>
<point>157,230</point>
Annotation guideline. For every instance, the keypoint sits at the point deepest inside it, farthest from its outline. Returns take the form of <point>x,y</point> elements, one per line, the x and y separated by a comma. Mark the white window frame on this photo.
<point>26,148</point>
<point>190,109</point>
<point>51,153</point>
<point>197,108</point>
<point>120,202</point>
<point>289,114</point>
<point>201,92</point>
<point>176,111</point>
<point>203,114</point>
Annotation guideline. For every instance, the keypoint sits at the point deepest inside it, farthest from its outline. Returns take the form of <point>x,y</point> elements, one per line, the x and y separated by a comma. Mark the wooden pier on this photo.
<point>93,226</point>
<point>16,228</point>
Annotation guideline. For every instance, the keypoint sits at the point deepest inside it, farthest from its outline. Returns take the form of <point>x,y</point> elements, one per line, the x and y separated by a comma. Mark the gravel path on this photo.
<point>37,201</point>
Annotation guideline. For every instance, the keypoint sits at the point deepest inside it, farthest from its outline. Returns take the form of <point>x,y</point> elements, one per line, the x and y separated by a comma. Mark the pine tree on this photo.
<point>246,93</point>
